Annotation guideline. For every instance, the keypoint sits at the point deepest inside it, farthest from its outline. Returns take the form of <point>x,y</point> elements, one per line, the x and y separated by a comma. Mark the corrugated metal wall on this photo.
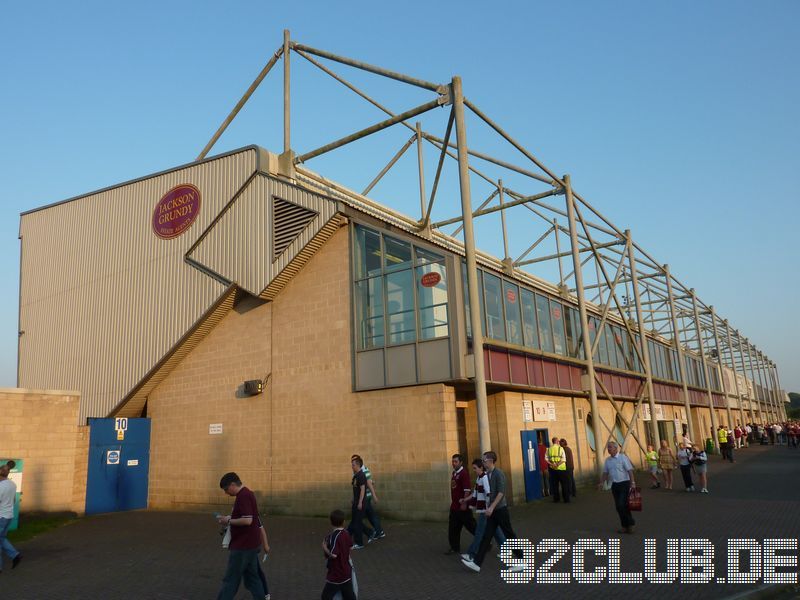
<point>103,299</point>
<point>239,246</point>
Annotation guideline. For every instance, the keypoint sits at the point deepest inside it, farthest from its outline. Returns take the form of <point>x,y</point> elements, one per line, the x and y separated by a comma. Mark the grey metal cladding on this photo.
<point>102,298</point>
<point>239,247</point>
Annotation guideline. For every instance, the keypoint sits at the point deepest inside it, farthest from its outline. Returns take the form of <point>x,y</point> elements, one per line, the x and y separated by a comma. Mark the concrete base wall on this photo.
<point>41,428</point>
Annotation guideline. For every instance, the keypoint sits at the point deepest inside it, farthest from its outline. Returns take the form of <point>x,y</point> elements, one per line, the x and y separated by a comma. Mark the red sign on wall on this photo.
<point>430,279</point>
<point>512,297</point>
<point>176,211</point>
<point>556,313</point>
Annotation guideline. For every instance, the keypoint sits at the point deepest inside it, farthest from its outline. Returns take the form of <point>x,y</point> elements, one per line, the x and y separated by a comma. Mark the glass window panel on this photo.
<point>627,350</point>
<point>466,299</point>
<point>529,319</point>
<point>425,256</point>
<point>513,318</point>
<point>368,253</point>
<point>558,322</point>
<point>545,328</point>
<point>432,299</point>
<point>590,432</point>
<point>495,323</point>
<point>400,315</point>
<point>573,322</point>
<point>397,254</point>
<point>676,368</point>
<point>602,349</point>
<point>651,348</point>
<point>369,310</point>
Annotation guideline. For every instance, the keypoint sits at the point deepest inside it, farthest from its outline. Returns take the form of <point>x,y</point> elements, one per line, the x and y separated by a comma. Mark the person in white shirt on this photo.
<point>8,492</point>
<point>619,471</point>
<point>685,464</point>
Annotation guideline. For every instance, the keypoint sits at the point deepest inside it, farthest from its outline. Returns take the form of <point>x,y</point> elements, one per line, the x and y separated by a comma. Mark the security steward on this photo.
<point>557,465</point>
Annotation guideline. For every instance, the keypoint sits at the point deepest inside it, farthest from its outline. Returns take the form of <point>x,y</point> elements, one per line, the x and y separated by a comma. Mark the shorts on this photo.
<point>700,469</point>
<point>654,469</point>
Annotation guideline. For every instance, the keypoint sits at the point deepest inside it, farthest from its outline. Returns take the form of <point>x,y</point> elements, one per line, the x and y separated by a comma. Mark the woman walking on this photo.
<point>667,463</point>
<point>699,460</point>
<point>684,462</point>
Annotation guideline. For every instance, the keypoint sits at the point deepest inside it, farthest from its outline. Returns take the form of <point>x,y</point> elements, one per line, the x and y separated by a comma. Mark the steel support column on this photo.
<point>643,340</point>
<point>720,370</point>
<point>676,341</point>
<point>587,345</point>
<point>472,266</point>
<point>756,394</point>
<point>701,346</point>
<point>781,395</point>
<point>735,375</point>
<point>750,397</point>
<point>287,140</point>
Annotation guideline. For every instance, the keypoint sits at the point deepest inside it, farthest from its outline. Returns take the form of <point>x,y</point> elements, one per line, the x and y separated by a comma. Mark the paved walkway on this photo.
<point>170,556</point>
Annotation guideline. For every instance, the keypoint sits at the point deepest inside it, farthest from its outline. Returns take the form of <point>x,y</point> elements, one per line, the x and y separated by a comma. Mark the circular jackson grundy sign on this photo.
<point>431,279</point>
<point>176,211</point>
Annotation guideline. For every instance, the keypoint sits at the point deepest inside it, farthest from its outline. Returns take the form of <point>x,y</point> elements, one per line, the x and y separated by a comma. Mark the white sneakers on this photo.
<point>467,562</point>
<point>704,491</point>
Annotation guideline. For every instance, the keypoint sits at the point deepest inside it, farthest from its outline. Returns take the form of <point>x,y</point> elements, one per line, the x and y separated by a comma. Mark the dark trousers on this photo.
<point>330,589</point>
<point>620,492</point>
<point>500,518</point>
<point>242,564</point>
<point>263,578</point>
<point>356,526</point>
<point>459,519</point>
<point>558,479</point>
<point>686,471</point>
<point>573,490</point>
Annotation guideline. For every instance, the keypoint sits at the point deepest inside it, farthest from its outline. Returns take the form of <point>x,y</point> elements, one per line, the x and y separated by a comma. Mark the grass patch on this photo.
<point>31,525</point>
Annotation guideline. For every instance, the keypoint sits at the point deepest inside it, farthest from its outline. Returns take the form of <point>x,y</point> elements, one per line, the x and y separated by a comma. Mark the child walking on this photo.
<point>337,550</point>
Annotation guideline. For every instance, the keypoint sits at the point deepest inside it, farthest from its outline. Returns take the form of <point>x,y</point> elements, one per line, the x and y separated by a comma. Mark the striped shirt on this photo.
<point>480,494</point>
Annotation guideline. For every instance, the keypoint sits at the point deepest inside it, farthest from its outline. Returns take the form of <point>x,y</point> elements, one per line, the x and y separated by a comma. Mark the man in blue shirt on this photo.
<point>619,471</point>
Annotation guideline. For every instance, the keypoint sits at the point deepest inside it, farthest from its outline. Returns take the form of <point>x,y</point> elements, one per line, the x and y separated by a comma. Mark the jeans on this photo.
<point>457,520</point>
<point>480,528</point>
<point>373,518</point>
<point>620,491</point>
<point>242,564</point>
<point>5,545</point>
<point>686,471</point>
<point>499,519</point>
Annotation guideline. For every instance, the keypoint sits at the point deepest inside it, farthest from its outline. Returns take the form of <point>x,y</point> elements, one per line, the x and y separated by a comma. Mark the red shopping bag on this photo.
<point>635,499</point>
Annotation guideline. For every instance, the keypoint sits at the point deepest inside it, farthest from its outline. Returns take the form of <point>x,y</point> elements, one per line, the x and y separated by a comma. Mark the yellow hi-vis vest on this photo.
<point>722,436</point>
<point>555,453</point>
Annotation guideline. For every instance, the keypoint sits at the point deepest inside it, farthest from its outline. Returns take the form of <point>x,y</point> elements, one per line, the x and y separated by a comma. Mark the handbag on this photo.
<point>635,499</point>
<point>226,539</point>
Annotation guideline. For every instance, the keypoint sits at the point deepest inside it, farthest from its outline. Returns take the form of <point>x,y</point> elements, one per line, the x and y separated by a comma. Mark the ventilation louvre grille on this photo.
<point>288,222</point>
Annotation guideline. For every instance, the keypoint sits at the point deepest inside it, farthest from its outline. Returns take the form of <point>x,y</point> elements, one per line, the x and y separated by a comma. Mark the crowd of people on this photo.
<point>480,507</point>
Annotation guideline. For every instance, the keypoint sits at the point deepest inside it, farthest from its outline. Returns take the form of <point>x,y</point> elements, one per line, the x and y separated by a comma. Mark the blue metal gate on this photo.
<point>119,462</point>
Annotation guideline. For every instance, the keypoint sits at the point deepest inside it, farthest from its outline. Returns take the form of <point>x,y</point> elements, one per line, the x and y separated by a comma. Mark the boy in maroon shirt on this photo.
<point>336,547</point>
<point>245,543</point>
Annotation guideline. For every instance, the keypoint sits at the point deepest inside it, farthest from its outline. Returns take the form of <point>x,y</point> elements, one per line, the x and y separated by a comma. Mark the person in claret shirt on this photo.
<point>246,540</point>
<point>460,514</point>
<point>336,547</point>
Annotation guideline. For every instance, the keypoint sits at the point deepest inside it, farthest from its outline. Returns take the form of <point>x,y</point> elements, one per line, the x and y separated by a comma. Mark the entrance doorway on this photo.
<point>532,468</point>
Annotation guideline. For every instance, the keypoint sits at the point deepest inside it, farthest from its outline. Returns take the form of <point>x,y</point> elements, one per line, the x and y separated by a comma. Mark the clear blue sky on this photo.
<point>677,120</point>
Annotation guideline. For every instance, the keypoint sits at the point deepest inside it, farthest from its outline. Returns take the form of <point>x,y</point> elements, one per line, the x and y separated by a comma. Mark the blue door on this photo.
<point>531,467</point>
<point>119,461</point>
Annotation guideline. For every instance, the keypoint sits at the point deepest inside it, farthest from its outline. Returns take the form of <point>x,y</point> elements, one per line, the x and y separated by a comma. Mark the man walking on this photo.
<point>557,464</point>
<point>8,492</point>
<point>246,540</point>
<point>359,483</point>
<point>619,470</point>
<point>496,515</point>
<point>460,514</point>
<point>371,495</point>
